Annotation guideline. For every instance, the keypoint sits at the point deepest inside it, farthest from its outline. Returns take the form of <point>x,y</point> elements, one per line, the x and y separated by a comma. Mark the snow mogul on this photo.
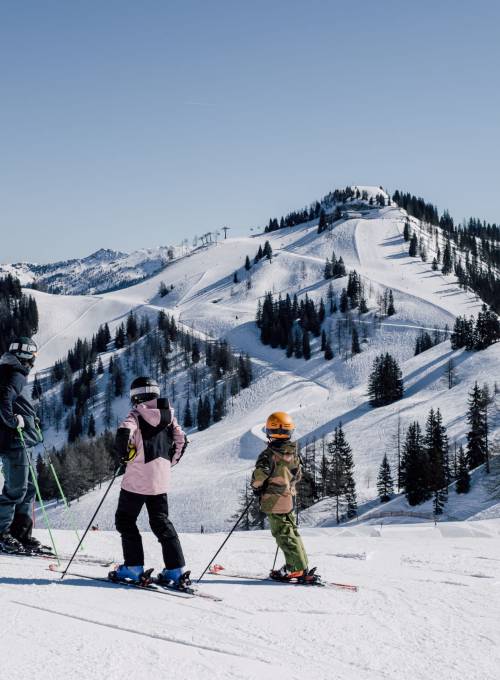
<point>277,471</point>
<point>16,414</point>
<point>148,443</point>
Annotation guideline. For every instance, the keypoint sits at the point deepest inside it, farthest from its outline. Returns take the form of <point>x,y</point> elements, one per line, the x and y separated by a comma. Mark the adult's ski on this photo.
<point>49,555</point>
<point>219,570</point>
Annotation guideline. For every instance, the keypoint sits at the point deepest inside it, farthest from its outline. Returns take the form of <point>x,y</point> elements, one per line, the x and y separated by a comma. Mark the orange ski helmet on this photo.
<point>279,425</point>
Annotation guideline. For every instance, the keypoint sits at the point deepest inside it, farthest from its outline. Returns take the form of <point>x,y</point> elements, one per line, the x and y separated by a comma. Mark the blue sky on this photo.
<point>133,124</point>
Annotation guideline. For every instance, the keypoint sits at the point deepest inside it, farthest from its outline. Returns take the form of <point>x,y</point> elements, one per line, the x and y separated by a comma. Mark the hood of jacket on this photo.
<point>150,410</point>
<point>8,359</point>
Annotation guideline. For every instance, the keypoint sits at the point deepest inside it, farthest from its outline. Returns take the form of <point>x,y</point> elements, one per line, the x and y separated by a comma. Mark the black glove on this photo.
<point>122,450</point>
<point>257,492</point>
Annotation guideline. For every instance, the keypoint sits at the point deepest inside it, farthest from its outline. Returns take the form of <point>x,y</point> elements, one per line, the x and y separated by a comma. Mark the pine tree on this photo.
<point>100,367</point>
<point>477,437</point>
<point>340,484</point>
<point>91,426</point>
<point>118,378</point>
<point>188,416</point>
<point>463,477</point>
<point>407,231</point>
<point>235,277</point>
<point>363,307</point>
<point>355,346</point>
<point>344,301</point>
<point>385,483</point>
<point>268,251</point>
<point>413,251</point>
<point>447,266</point>
<point>328,351</point>
<point>322,221</point>
<point>487,329</point>
<point>391,309</point>
<point>435,265</point>
<point>37,390</point>
<point>436,447</point>
<point>339,269</point>
<point>328,271</point>
<point>414,466</point>
<point>132,328</point>
<point>306,346</point>
<point>385,382</point>
<point>323,340</point>
<point>248,265</point>
<point>350,485</point>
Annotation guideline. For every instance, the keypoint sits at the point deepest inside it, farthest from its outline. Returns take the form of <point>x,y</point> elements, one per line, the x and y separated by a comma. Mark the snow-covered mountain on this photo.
<point>319,394</point>
<point>99,272</point>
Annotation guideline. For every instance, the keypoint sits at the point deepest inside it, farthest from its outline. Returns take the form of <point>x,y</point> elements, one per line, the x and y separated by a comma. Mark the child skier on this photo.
<point>277,471</point>
<point>148,443</point>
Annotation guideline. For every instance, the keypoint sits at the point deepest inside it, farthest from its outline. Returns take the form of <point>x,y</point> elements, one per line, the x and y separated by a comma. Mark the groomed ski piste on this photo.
<point>428,597</point>
<point>427,607</point>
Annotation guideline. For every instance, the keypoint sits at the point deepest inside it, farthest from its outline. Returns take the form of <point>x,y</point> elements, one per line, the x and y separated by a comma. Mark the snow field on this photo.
<point>426,601</point>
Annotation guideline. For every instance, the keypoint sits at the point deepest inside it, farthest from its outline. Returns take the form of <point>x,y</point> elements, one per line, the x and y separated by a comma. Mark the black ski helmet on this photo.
<point>25,349</point>
<point>144,389</point>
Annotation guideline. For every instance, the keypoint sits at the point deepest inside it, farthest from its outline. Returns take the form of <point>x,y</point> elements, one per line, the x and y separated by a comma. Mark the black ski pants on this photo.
<point>129,506</point>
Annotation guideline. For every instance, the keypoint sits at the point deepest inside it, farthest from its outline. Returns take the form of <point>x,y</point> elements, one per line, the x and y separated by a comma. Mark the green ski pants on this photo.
<point>284,529</point>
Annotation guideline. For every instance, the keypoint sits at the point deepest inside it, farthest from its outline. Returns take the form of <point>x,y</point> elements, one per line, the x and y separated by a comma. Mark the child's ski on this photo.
<point>218,569</point>
<point>129,584</point>
<point>196,592</point>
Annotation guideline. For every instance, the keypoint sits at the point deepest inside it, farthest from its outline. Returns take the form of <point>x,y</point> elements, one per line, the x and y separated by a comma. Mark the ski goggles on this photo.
<point>26,350</point>
<point>279,432</point>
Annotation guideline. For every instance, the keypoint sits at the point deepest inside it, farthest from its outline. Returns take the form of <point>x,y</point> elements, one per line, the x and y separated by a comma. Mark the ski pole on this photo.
<point>63,497</point>
<point>115,474</point>
<point>227,538</point>
<point>37,491</point>
<point>275,557</point>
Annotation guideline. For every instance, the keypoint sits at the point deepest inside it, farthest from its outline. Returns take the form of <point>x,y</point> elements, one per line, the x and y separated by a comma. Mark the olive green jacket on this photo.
<point>277,471</point>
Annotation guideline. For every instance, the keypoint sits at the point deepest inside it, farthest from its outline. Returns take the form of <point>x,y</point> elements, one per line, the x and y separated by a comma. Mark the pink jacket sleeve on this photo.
<point>180,441</point>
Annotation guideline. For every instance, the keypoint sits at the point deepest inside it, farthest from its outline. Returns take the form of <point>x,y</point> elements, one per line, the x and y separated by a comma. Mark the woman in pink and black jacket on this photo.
<point>148,442</point>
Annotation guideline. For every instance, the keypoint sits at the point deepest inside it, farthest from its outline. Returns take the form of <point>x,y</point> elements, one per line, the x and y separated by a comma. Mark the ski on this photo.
<point>193,591</point>
<point>49,555</point>
<point>148,587</point>
<point>219,570</point>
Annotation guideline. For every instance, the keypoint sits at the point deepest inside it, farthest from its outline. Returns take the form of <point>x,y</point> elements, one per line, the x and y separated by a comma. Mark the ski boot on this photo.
<point>32,545</point>
<point>309,577</point>
<point>9,544</point>
<point>285,575</point>
<point>177,578</point>
<point>135,575</point>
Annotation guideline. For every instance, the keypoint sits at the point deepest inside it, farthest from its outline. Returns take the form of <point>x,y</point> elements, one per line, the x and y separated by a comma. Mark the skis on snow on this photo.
<point>147,583</point>
<point>46,553</point>
<point>219,570</point>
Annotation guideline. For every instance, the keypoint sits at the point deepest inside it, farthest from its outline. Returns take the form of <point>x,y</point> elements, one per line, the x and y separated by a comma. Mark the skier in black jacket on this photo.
<point>16,412</point>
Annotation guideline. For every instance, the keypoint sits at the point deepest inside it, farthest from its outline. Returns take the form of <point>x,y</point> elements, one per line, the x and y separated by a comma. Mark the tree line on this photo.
<point>426,466</point>
<point>478,240</point>
<point>214,374</point>
<point>18,312</point>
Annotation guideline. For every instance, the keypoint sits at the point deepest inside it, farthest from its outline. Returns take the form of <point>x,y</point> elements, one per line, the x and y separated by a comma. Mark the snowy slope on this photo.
<point>427,607</point>
<point>318,394</point>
